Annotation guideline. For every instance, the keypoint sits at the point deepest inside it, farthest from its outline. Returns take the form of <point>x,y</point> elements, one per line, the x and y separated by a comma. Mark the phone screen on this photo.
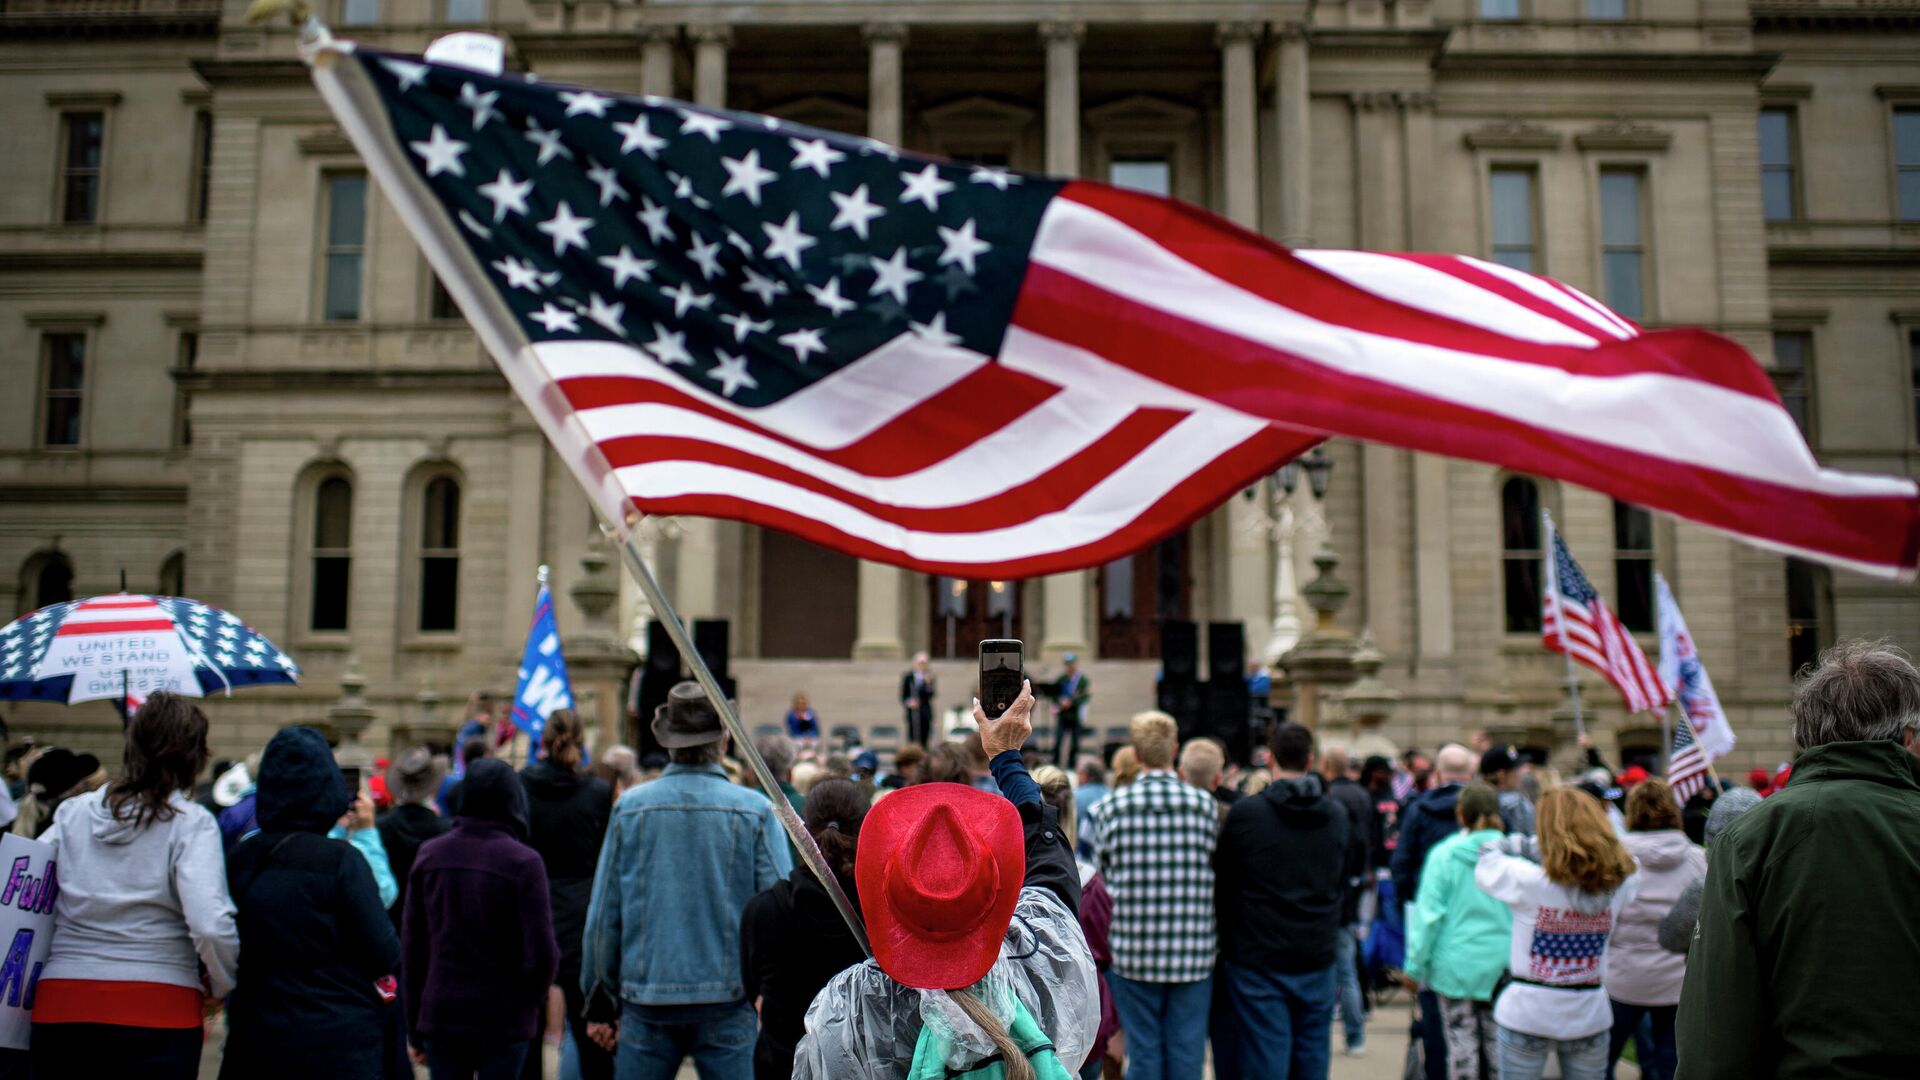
<point>1001,664</point>
<point>352,777</point>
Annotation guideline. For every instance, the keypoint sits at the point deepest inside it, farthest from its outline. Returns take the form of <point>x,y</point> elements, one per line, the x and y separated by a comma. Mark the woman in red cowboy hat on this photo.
<point>979,966</point>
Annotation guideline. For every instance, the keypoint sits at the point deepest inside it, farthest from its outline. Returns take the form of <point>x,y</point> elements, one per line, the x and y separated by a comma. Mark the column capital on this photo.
<point>1059,32</point>
<point>884,32</point>
<point>659,33</point>
<point>711,34</point>
<point>1372,100</point>
<point>1289,31</point>
<point>1416,100</point>
<point>1233,32</point>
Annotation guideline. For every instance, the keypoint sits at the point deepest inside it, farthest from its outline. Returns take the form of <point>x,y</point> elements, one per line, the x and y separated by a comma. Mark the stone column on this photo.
<point>1063,95</point>
<point>598,662</point>
<point>1239,121</point>
<point>656,60</point>
<point>710,44</point>
<point>885,118</point>
<point>1290,107</point>
<point>877,632</point>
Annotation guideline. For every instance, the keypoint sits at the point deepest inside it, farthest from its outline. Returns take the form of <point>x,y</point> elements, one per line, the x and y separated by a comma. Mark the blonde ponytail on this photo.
<point>1018,1067</point>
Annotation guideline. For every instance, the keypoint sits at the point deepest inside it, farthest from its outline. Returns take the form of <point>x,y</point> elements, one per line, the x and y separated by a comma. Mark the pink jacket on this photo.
<point>1639,971</point>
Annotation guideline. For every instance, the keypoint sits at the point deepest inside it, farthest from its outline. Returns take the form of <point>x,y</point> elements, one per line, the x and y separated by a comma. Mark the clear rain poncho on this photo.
<point>863,1024</point>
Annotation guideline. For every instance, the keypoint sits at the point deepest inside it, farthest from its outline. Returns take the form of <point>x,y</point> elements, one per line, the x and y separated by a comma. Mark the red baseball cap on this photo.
<point>939,870</point>
<point>1634,775</point>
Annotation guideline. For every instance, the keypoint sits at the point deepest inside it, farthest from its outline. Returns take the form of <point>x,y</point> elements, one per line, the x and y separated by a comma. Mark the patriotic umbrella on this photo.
<point>974,372</point>
<point>128,645</point>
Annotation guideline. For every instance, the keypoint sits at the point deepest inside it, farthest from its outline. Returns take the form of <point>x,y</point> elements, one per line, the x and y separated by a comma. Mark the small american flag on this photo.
<point>1577,622</point>
<point>979,373</point>
<point>1687,763</point>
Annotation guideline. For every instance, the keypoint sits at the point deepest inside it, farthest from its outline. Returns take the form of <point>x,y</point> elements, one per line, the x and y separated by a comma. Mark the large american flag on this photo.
<point>1576,621</point>
<point>975,372</point>
<point>1686,761</point>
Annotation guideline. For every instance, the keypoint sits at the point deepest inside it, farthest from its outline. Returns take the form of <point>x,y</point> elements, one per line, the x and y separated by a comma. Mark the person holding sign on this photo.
<point>142,911</point>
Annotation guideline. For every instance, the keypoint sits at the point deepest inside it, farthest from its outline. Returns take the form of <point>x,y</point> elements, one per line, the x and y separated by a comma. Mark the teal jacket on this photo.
<point>1457,936</point>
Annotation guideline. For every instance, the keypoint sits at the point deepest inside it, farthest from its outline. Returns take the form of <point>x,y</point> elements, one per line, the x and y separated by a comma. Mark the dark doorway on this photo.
<point>809,599</point>
<point>965,613</point>
<point>1139,592</point>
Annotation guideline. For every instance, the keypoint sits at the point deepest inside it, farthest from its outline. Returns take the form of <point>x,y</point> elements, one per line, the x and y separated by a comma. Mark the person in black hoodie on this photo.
<point>413,821</point>
<point>792,939</point>
<point>477,940</point>
<point>317,953</point>
<point>1282,869</point>
<point>567,814</point>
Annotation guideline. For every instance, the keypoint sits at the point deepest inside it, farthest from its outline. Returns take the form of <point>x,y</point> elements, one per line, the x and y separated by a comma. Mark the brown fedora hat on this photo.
<point>687,718</point>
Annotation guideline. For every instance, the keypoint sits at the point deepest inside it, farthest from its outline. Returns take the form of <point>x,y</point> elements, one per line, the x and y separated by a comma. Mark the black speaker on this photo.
<point>710,641</point>
<point>1180,699</point>
<point>661,653</point>
<point>1229,717</point>
<point>1179,651</point>
<point>1226,652</point>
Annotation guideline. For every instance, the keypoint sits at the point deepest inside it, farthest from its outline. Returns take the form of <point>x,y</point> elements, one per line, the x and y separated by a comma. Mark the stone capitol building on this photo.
<point>231,374</point>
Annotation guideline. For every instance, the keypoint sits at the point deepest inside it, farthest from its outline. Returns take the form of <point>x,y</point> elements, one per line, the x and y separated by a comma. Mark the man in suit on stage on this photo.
<point>1070,712</point>
<point>916,698</point>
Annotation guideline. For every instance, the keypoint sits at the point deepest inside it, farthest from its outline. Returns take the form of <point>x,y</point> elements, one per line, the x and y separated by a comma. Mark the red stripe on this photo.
<point>1266,269</point>
<point>1267,382</point>
<point>1598,326</point>
<point>103,604</point>
<point>73,629</point>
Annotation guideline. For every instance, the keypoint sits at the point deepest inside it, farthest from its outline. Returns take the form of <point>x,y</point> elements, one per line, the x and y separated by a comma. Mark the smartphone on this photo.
<point>352,777</point>
<point>1002,671</point>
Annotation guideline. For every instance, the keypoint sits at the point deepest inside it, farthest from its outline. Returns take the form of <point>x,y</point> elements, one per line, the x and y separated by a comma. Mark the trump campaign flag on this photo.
<point>1682,671</point>
<point>979,373</point>
<point>544,685</point>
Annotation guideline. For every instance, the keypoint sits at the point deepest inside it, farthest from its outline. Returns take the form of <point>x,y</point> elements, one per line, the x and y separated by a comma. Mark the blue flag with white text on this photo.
<point>544,685</point>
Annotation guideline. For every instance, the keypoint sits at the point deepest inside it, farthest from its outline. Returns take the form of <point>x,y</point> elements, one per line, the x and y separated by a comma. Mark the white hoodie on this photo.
<point>1558,954</point>
<point>140,904</point>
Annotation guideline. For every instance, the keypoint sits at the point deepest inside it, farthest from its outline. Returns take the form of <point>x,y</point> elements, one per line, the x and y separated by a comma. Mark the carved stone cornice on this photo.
<point>1623,133</point>
<point>888,32</point>
<point>711,34</point>
<point>326,142</point>
<point>1235,31</point>
<point>1513,133</point>
<point>1060,31</point>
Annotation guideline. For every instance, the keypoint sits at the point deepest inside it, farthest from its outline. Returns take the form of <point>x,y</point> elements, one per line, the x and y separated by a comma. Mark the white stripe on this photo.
<point>1683,420</point>
<point>1602,320</point>
<point>84,614</point>
<point>1424,288</point>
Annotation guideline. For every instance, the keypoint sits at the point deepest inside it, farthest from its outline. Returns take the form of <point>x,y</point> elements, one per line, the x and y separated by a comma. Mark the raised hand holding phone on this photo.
<point>1011,729</point>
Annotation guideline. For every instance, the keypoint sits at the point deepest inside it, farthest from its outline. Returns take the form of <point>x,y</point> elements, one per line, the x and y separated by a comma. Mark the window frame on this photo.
<point>1642,170</point>
<point>1545,498</point>
<point>1810,362</point>
<point>186,356</point>
<point>414,538</point>
<point>1648,555</point>
<point>1898,168</point>
<point>45,395</point>
<point>325,249</point>
<point>1822,618</point>
<point>445,13</point>
<point>346,6</point>
<point>173,570</point>
<point>62,171</point>
<point>1796,209</point>
<point>1535,247</point>
<point>306,550</point>
<point>1626,12</point>
<point>435,289</point>
<point>200,174</point>
<point>31,568</point>
<point>1519,12</point>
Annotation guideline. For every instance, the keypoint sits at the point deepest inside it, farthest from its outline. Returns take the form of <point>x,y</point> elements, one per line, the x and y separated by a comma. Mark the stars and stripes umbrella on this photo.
<point>127,645</point>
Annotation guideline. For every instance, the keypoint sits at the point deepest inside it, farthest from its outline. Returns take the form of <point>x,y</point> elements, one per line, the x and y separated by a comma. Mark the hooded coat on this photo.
<point>1457,935</point>
<point>792,942</point>
<point>315,937</point>
<point>567,814</point>
<point>402,830</point>
<point>1639,971</point>
<point>1427,820</point>
<point>1282,870</point>
<point>477,938</point>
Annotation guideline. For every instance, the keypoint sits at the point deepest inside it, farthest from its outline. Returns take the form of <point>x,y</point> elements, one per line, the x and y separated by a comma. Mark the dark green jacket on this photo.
<point>1806,962</point>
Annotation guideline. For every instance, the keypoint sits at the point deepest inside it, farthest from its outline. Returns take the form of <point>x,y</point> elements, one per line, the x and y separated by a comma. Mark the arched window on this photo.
<point>173,575</point>
<point>332,553</point>
<point>439,554</point>
<point>1520,554</point>
<point>1809,614</point>
<point>46,578</point>
<point>1633,566</point>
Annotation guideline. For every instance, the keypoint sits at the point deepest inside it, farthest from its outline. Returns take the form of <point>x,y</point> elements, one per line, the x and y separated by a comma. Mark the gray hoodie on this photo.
<point>140,904</point>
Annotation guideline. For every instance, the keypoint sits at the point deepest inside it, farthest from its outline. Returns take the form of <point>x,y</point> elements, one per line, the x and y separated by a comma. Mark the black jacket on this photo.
<point>1427,820</point>
<point>1359,806</point>
<point>402,830</point>
<point>1281,876</point>
<point>567,814</point>
<point>314,938</point>
<point>792,941</point>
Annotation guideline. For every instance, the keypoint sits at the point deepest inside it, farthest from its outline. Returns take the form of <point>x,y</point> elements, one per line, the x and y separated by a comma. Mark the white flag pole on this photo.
<point>1560,622</point>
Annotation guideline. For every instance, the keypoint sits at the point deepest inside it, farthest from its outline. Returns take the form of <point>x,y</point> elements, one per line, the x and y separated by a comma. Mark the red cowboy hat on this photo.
<point>939,870</point>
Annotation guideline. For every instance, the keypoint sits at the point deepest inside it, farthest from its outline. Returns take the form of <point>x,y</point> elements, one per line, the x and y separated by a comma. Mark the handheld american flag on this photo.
<point>1575,621</point>
<point>1687,763</point>
<point>978,373</point>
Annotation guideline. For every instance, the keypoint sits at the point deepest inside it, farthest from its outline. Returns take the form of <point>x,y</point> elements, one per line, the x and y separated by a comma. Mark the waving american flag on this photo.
<point>1576,621</point>
<point>975,372</point>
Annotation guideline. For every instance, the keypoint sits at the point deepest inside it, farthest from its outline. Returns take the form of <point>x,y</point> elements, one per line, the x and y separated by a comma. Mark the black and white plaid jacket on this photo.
<point>1153,841</point>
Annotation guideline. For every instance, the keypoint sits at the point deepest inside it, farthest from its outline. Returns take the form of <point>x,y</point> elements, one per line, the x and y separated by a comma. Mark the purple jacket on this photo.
<point>477,948</point>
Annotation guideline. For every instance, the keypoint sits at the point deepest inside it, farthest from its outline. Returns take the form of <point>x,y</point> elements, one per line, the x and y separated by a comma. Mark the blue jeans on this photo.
<point>655,1039</point>
<point>1524,1057</point>
<point>1659,1065</point>
<point>1165,1024</point>
<point>475,1059</point>
<point>1353,1014</point>
<point>1286,1022</point>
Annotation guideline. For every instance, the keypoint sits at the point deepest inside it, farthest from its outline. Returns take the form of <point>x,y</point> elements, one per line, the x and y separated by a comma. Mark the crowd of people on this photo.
<point>1141,916</point>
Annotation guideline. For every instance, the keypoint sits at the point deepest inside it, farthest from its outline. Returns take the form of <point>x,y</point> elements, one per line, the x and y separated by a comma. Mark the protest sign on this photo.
<point>29,884</point>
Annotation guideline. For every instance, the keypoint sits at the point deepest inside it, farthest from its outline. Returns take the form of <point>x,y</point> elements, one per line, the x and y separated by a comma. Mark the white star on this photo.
<point>441,153</point>
<point>683,188</point>
<point>698,122</point>
<point>731,373</point>
<point>668,347</point>
<point>706,255</point>
<point>608,180</point>
<point>815,154</point>
<point>480,104</point>
<point>893,275</point>
<point>765,288</point>
<point>786,241</point>
<point>585,102</point>
<point>655,219</point>
<point>744,325</point>
<point>1000,178</point>
<point>855,211</point>
<point>283,660</point>
<point>409,74</point>
<point>962,245</point>
<point>507,194</point>
<point>556,320</point>
<point>830,298</point>
<point>925,186</point>
<point>684,297</point>
<point>519,275</point>
<point>934,330</point>
<point>875,146</point>
<point>547,141</point>
<point>746,177</point>
<point>740,242</point>
<point>566,228</point>
<point>625,266</point>
<point>635,135</point>
<point>607,315</point>
<point>803,342</point>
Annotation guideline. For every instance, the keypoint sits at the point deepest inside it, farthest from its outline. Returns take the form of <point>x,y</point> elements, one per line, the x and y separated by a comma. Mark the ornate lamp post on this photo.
<point>1321,662</point>
<point>1284,525</point>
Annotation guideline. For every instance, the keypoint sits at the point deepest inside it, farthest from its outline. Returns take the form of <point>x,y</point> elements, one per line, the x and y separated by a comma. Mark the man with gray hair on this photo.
<point>1807,955</point>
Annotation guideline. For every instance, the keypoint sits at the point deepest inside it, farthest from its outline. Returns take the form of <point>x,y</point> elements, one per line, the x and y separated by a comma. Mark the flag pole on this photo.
<point>1560,622</point>
<point>677,631</point>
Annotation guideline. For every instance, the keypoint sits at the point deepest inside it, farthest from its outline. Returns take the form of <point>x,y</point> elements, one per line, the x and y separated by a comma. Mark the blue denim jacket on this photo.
<point>682,857</point>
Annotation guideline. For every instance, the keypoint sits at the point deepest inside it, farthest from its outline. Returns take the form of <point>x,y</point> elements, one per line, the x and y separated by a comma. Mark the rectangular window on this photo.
<point>466,11</point>
<point>1612,10</point>
<point>1513,218</point>
<point>1808,590</point>
<point>1623,240</point>
<point>440,303</point>
<point>82,137</point>
<point>65,385</point>
<point>202,165</point>
<point>1499,9</point>
<point>1633,566</point>
<point>1151,175</point>
<point>189,353</point>
<point>346,244</point>
<point>1906,161</point>
<point>1793,376</point>
<point>1778,197</point>
<point>360,12</point>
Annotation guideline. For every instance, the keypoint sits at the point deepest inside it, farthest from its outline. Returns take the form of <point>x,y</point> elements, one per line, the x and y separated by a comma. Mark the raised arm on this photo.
<point>1050,862</point>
